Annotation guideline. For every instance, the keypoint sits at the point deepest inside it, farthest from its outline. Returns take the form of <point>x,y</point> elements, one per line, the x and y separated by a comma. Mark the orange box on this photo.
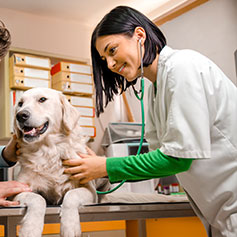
<point>86,121</point>
<point>86,111</point>
<point>89,131</point>
<point>71,67</point>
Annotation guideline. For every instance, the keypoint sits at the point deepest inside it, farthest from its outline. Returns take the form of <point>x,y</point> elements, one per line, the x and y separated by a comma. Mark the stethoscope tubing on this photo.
<point>140,98</point>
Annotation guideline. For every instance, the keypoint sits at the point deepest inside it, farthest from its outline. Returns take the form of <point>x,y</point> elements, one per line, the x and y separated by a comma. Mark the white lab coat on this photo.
<point>193,114</point>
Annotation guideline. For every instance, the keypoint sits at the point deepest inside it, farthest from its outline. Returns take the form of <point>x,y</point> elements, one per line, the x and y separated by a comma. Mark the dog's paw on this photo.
<point>70,224</point>
<point>30,231</point>
<point>70,231</point>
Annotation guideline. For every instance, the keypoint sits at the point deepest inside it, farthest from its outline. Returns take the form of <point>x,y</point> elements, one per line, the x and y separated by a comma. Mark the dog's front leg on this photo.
<point>33,221</point>
<point>70,219</point>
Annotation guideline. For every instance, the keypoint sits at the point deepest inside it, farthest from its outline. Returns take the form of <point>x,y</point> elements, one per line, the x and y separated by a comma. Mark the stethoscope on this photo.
<point>139,95</point>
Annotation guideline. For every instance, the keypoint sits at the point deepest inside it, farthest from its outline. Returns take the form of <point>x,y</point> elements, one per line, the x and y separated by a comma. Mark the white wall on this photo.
<point>210,29</point>
<point>47,34</point>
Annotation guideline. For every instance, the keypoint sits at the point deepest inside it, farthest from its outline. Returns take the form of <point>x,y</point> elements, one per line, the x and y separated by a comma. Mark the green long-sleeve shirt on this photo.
<point>149,165</point>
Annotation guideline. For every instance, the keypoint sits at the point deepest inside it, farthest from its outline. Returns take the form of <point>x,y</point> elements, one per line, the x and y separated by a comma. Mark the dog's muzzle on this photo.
<point>30,133</point>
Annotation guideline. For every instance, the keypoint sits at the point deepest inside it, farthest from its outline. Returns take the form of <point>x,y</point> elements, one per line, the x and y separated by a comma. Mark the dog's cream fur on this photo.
<point>41,160</point>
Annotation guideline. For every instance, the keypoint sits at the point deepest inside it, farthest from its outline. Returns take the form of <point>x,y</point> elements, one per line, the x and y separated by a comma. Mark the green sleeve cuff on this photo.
<point>145,166</point>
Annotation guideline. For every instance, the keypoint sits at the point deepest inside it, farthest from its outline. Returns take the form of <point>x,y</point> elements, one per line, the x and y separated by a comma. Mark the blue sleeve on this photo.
<point>3,163</point>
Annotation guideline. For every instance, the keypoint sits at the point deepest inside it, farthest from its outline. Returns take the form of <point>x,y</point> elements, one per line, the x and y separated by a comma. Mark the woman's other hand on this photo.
<point>86,169</point>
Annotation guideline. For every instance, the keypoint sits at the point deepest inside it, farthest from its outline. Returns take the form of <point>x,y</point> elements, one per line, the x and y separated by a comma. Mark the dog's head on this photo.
<point>41,111</point>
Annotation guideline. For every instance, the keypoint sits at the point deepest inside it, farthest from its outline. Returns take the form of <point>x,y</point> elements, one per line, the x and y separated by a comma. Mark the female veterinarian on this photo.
<point>191,122</point>
<point>8,153</point>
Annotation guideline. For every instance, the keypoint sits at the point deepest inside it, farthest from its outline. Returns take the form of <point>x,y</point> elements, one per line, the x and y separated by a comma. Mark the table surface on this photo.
<point>115,211</point>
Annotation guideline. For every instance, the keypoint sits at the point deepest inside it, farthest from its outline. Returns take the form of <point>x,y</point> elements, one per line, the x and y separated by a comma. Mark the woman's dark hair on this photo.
<point>121,20</point>
<point>5,40</point>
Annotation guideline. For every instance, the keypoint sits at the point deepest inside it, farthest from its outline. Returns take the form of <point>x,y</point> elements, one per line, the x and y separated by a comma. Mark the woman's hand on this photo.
<point>88,168</point>
<point>10,188</point>
<point>11,150</point>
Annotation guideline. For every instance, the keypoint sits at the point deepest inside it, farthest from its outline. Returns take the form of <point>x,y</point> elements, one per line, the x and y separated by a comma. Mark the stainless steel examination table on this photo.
<point>10,217</point>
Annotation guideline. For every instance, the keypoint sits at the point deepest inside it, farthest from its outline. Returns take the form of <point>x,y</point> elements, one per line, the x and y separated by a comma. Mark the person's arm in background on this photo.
<point>5,42</point>
<point>8,158</point>
<point>10,188</point>
<point>3,162</point>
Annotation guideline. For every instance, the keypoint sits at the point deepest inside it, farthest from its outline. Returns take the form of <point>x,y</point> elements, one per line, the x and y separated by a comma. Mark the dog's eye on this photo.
<point>42,99</point>
<point>20,104</point>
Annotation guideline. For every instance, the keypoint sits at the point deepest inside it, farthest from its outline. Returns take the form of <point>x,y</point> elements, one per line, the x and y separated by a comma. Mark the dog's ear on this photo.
<point>70,115</point>
<point>15,128</point>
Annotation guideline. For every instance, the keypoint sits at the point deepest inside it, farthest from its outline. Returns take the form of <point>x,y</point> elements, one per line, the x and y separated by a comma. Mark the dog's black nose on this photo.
<point>23,116</point>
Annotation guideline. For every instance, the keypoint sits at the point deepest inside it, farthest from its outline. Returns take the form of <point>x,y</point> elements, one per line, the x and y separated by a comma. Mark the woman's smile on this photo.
<point>121,68</point>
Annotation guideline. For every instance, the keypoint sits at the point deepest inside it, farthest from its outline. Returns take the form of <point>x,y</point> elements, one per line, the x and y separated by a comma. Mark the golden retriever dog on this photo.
<point>48,131</point>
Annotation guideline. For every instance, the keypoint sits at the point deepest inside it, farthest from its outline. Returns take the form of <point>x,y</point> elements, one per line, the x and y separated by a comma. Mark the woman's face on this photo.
<point>122,54</point>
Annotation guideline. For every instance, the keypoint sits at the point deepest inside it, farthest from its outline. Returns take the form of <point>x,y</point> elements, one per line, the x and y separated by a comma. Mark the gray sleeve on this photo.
<point>3,163</point>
